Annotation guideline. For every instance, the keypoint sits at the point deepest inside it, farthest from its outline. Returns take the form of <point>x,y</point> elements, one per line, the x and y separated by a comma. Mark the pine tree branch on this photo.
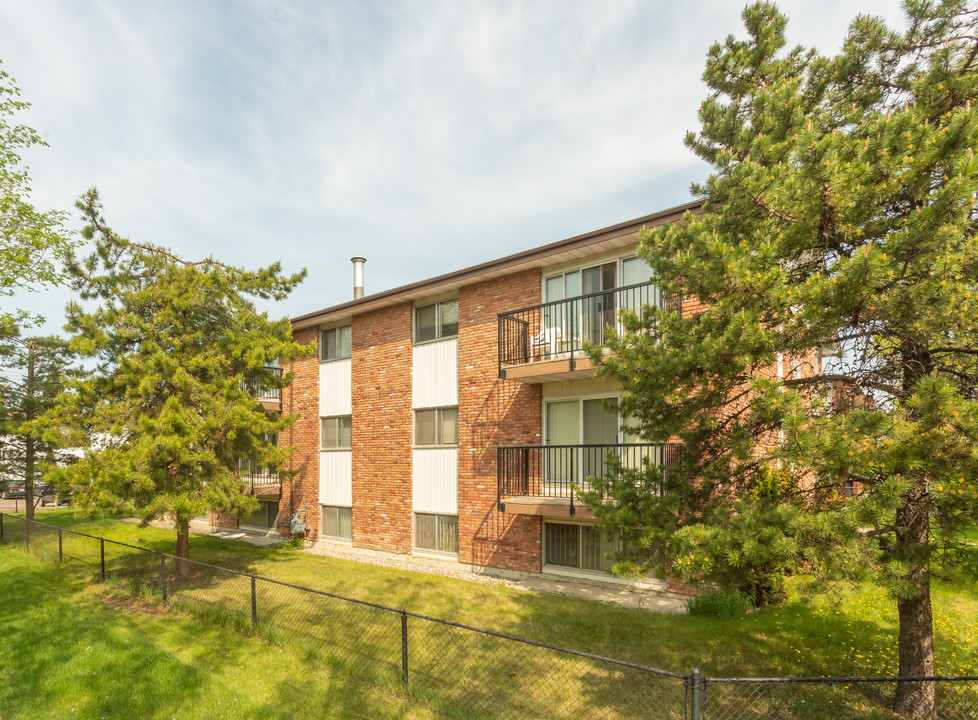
<point>954,351</point>
<point>838,377</point>
<point>152,249</point>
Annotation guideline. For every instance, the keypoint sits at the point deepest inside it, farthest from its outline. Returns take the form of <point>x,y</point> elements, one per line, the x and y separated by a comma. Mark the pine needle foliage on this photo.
<point>839,220</point>
<point>166,414</point>
<point>33,371</point>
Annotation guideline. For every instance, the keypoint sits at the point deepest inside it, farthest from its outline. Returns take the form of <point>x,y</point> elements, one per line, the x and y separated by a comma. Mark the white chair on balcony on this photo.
<point>549,340</point>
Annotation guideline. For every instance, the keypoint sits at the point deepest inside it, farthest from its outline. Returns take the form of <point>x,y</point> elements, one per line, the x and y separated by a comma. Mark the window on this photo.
<point>584,547</point>
<point>335,343</point>
<point>264,516</point>
<point>337,522</point>
<point>436,532</point>
<point>337,432</point>
<point>436,321</point>
<point>437,426</point>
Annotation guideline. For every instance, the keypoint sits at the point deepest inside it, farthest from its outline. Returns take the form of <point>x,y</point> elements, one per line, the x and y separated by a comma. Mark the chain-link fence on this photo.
<point>854,697</point>
<point>459,670</point>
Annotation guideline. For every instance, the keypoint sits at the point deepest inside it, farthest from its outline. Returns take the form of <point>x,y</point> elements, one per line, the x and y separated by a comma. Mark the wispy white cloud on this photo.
<point>425,135</point>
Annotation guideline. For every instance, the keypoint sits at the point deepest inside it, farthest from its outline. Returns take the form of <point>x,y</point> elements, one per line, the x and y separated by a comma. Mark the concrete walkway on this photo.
<point>268,541</point>
<point>654,600</point>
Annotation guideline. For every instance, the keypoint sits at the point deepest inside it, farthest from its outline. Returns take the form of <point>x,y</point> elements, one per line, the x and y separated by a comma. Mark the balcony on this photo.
<point>259,480</point>
<point>268,395</point>
<point>540,479</point>
<point>545,343</point>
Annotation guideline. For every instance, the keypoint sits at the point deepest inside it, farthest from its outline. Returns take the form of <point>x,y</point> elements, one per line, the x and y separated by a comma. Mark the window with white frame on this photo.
<point>335,343</point>
<point>337,432</point>
<point>436,426</point>
<point>436,321</point>
<point>593,296</point>
<point>581,547</point>
<point>608,275</point>
<point>337,522</point>
<point>438,533</point>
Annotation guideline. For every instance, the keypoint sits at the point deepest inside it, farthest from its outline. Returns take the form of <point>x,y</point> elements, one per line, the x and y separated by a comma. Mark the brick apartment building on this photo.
<point>450,417</point>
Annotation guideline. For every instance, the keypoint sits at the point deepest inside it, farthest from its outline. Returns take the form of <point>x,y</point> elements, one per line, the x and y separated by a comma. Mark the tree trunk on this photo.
<point>183,546</point>
<point>29,444</point>
<point>915,700</point>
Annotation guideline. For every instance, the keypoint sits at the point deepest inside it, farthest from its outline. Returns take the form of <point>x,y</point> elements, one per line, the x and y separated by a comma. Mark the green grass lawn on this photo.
<point>68,651</point>
<point>850,632</point>
<point>971,535</point>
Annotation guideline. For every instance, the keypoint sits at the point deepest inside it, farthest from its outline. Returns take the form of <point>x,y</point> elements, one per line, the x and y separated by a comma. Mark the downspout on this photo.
<point>291,442</point>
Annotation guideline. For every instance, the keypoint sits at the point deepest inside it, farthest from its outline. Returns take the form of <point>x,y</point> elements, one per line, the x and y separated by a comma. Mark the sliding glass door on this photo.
<point>589,428</point>
<point>561,465</point>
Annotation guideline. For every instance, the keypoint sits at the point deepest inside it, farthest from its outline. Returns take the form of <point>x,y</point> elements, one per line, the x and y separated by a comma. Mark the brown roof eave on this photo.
<point>471,273</point>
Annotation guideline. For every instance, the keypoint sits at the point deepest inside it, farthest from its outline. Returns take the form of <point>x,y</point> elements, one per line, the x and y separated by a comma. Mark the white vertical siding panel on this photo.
<point>435,474</point>
<point>335,388</point>
<point>336,478</point>
<point>435,377</point>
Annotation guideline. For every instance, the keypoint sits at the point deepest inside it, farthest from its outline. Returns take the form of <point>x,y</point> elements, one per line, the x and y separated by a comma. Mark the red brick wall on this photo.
<point>492,413</point>
<point>302,398</point>
<point>382,427</point>
<point>219,518</point>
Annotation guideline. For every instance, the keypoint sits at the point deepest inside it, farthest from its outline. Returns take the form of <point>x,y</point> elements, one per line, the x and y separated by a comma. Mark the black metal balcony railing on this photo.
<point>263,390</point>
<point>559,329</point>
<point>553,471</point>
<point>259,478</point>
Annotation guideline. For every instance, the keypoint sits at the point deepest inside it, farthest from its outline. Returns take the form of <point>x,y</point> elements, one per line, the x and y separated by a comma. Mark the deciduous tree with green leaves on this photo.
<point>840,213</point>
<point>166,414</point>
<point>32,243</point>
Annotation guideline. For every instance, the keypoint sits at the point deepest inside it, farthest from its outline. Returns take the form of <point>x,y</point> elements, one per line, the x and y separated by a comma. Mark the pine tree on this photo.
<point>166,414</point>
<point>840,213</point>
<point>34,373</point>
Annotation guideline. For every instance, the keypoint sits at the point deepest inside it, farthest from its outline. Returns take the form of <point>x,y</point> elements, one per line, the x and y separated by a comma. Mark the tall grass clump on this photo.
<point>720,604</point>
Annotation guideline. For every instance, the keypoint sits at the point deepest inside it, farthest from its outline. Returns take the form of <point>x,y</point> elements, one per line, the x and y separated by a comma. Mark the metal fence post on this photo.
<point>61,550</point>
<point>101,542</point>
<point>1,526</point>
<point>696,685</point>
<point>27,534</point>
<point>404,648</point>
<point>163,576</point>
<point>254,603</point>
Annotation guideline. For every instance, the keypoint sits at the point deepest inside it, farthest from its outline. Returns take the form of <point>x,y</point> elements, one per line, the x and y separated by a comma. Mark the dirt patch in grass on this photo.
<point>131,605</point>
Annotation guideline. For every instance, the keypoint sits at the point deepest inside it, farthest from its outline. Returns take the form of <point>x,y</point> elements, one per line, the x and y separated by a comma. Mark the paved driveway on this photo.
<point>17,505</point>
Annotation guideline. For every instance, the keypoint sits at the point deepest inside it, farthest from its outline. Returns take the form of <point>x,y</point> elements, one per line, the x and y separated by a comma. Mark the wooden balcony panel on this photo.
<point>544,507</point>
<point>557,370</point>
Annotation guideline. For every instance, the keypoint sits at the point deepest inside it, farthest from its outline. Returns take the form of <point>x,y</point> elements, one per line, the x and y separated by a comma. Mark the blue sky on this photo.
<point>427,136</point>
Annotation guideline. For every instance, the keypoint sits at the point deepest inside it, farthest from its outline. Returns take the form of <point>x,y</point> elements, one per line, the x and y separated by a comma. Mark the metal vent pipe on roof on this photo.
<point>358,276</point>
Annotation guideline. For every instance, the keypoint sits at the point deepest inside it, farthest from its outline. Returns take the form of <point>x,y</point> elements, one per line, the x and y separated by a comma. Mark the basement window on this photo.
<point>438,533</point>
<point>337,522</point>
